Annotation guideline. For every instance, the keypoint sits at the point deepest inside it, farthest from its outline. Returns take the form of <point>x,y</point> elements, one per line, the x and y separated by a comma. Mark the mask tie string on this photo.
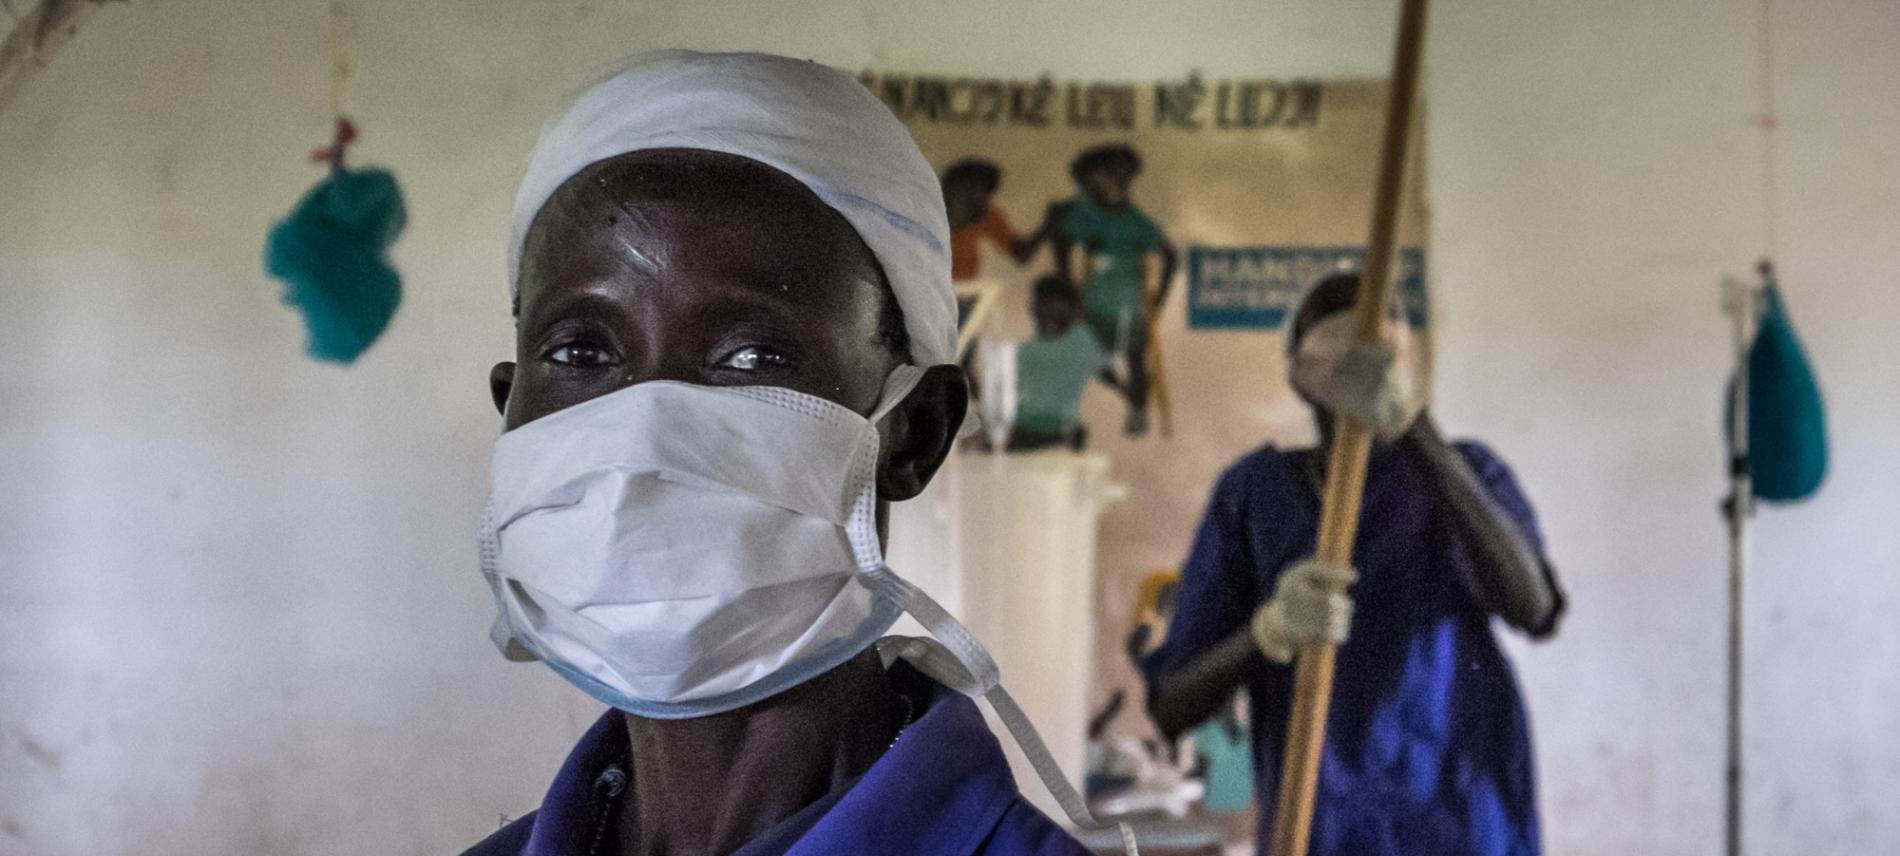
<point>954,657</point>
<point>937,661</point>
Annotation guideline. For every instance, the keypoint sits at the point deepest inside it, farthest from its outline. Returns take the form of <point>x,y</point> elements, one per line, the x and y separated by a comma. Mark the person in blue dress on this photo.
<point>1428,749</point>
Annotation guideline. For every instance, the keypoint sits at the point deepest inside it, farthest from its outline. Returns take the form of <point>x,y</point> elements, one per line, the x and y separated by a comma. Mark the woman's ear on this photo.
<point>501,379</point>
<point>919,432</point>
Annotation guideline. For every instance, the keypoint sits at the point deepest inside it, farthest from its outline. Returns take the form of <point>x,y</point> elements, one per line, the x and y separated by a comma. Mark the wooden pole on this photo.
<point>1158,379</point>
<point>35,38</point>
<point>1346,465</point>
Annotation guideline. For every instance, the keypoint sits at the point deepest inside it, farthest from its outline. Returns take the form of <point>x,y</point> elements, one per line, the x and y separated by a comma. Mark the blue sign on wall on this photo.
<point>1257,288</point>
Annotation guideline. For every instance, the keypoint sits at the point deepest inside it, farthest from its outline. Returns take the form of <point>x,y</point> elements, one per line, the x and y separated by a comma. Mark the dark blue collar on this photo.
<point>939,791</point>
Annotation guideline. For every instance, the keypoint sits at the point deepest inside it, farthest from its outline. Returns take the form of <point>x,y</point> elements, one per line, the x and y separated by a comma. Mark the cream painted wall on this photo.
<point>1594,167</point>
<point>238,605</point>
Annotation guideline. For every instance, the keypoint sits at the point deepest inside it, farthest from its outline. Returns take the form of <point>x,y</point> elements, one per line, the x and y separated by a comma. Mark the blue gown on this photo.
<point>1427,746</point>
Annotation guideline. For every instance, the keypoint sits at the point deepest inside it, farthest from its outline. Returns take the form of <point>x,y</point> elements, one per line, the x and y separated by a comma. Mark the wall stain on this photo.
<point>38,752</point>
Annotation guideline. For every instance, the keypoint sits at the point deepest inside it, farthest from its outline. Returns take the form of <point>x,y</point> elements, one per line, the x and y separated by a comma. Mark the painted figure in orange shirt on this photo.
<point>968,186</point>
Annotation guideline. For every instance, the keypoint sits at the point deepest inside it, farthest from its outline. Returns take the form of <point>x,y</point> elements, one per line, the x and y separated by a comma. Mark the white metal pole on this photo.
<point>1741,303</point>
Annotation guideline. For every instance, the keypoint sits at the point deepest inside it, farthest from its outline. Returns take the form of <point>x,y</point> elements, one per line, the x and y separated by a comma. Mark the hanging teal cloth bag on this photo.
<point>332,254</point>
<point>1787,427</point>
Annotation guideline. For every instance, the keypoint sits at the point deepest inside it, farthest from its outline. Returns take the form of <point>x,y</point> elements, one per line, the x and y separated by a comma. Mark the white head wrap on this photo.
<point>814,123</point>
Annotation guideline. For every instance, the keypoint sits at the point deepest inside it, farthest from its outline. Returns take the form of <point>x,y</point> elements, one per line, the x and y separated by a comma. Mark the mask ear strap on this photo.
<point>861,521</point>
<point>898,385</point>
<point>935,660</point>
<point>878,576</point>
<point>977,674</point>
<point>958,661</point>
<point>901,382</point>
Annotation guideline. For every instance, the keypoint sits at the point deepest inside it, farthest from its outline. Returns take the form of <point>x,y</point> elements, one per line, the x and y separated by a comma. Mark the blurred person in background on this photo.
<point>1427,747</point>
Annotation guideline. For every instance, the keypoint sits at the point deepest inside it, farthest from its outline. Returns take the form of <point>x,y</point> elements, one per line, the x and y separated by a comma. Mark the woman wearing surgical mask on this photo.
<point>734,345</point>
<point>1427,747</point>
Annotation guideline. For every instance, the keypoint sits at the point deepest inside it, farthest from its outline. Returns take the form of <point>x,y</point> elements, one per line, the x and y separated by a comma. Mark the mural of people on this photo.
<point>969,189</point>
<point>1115,238</point>
<point>1052,368</point>
<point>969,185</point>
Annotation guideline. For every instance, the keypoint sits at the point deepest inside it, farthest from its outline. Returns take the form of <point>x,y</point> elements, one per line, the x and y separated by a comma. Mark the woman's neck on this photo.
<point>711,784</point>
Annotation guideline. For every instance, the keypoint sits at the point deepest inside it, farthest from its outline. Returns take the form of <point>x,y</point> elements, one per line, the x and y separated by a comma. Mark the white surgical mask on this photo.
<point>678,550</point>
<point>1322,345</point>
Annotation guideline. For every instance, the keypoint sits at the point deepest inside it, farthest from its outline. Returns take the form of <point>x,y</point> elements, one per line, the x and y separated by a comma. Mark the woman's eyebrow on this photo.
<point>766,303</point>
<point>601,299</point>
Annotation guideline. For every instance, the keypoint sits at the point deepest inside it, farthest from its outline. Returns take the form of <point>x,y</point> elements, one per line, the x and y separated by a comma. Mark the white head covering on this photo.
<point>814,123</point>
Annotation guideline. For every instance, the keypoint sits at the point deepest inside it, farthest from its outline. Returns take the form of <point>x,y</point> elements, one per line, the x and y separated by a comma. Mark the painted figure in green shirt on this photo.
<point>1052,369</point>
<point>1116,239</point>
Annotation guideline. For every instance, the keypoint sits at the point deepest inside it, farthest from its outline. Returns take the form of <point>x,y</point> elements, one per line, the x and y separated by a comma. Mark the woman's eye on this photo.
<point>581,355</point>
<point>753,358</point>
